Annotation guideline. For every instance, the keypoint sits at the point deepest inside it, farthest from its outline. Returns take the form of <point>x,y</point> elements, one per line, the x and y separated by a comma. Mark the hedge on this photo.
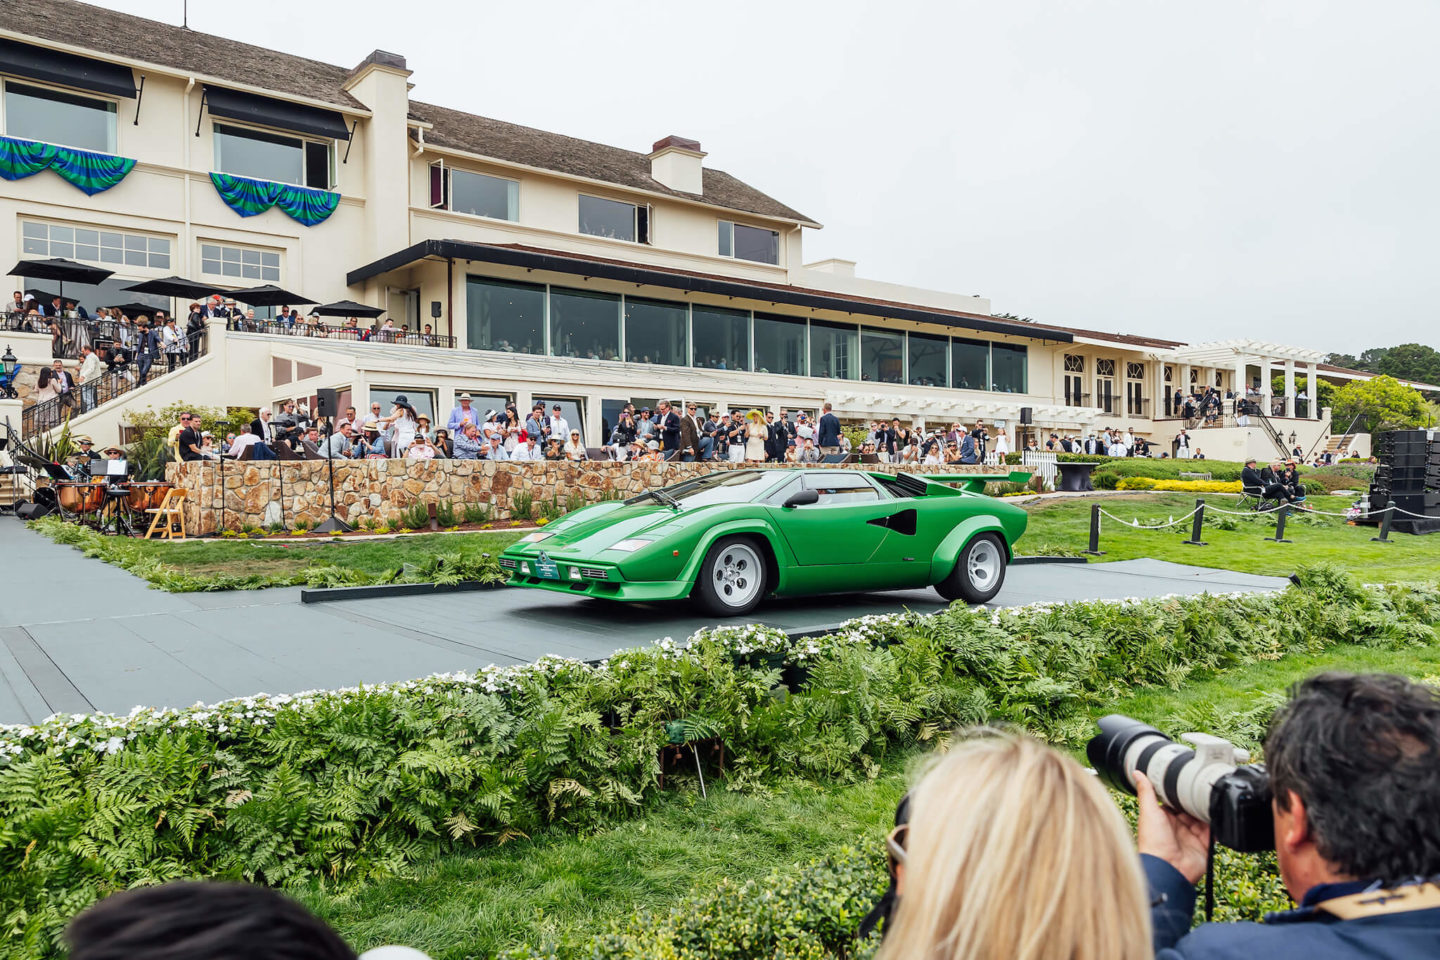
<point>355,783</point>
<point>1185,486</point>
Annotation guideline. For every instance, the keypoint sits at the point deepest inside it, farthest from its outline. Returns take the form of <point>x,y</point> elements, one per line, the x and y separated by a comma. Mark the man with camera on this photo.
<point>1352,780</point>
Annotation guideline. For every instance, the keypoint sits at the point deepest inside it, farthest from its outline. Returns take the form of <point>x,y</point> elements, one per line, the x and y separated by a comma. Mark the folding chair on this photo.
<point>169,517</point>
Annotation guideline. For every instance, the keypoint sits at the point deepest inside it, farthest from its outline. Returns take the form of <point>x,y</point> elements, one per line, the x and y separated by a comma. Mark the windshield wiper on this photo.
<point>666,498</point>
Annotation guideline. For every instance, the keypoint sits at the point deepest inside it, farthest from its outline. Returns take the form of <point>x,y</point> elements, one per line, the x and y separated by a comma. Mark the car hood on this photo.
<point>604,525</point>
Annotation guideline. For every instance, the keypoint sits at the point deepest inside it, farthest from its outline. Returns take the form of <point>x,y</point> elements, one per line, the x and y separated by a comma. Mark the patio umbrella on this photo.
<point>135,309</point>
<point>175,287</point>
<point>60,270</point>
<point>268,295</point>
<point>348,308</point>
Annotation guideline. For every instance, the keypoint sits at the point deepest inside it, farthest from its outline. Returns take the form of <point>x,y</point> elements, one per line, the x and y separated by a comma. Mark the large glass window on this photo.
<point>834,349</point>
<point>927,360</point>
<point>422,400</point>
<point>882,355</point>
<point>600,217</point>
<point>504,315</point>
<point>655,332</point>
<point>584,324</point>
<point>749,243</point>
<point>722,338</point>
<point>571,410</point>
<point>245,263</point>
<point>1009,367</point>
<point>50,116</point>
<point>779,345</point>
<point>94,245</point>
<point>483,196</point>
<point>271,156</point>
<point>969,364</point>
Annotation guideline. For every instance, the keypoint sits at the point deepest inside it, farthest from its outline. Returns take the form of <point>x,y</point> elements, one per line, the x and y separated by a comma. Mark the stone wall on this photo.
<point>382,489</point>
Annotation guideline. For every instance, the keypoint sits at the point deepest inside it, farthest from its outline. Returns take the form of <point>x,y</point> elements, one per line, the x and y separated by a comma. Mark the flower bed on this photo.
<point>358,782</point>
<point>1179,486</point>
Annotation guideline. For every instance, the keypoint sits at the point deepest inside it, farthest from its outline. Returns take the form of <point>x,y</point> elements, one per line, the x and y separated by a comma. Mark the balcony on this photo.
<point>1137,408</point>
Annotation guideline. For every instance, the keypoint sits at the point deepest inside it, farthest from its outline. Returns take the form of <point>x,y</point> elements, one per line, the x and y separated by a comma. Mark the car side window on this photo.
<point>785,492</point>
<point>836,487</point>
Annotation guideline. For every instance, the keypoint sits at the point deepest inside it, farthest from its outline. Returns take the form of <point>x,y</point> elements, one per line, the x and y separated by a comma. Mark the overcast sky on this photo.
<point>1186,170</point>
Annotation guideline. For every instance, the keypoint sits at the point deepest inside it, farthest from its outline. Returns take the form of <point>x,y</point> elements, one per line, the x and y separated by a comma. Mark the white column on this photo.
<point>1290,388</point>
<point>1312,389</point>
<point>1267,375</point>
<point>1237,385</point>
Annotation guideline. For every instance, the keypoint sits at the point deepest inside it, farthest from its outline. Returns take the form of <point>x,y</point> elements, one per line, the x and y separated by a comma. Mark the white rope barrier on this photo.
<point>1137,525</point>
<point>1242,513</point>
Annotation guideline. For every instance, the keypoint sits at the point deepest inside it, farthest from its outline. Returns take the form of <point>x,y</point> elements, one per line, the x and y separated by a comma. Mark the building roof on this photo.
<point>511,142</point>
<point>579,264</point>
<point>1349,374</point>
<point>166,45</point>
<point>178,48</point>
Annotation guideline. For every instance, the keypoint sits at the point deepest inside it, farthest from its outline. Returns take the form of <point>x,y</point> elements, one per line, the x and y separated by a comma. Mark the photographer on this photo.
<point>1354,766</point>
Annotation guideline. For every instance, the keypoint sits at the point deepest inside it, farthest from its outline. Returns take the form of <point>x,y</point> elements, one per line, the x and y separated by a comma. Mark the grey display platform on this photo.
<point>78,635</point>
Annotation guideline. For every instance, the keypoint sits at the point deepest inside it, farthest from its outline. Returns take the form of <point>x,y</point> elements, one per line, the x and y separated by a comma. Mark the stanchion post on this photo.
<point>1095,550</point>
<point>1280,516</point>
<point>1385,524</point>
<point>1195,540</point>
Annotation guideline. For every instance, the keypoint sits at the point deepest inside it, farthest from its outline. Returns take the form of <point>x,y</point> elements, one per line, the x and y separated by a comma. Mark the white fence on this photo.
<point>1043,463</point>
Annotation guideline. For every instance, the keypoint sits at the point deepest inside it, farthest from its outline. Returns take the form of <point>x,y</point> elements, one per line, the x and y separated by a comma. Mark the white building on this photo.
<point>524,265</point>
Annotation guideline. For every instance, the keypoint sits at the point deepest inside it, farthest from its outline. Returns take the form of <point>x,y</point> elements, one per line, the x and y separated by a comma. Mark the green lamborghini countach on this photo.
<point>731,538</point>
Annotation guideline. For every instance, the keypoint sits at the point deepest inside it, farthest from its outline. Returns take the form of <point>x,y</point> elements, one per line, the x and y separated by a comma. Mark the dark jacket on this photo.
<point>1305,933</point>
<point>668,429</point>
<point>968,453</point>
<point>689,435</point>
<point>1250,479</point>
<point>829,431</point>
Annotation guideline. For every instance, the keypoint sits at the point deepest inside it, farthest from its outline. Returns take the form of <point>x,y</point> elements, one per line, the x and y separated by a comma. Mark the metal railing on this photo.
<point>116,382</point>
<point>322,331</point>
<point>74,333</point>
<point>1137,408</point>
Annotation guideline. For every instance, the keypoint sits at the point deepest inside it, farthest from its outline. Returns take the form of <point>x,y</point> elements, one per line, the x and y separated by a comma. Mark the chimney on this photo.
<point>675,162</point>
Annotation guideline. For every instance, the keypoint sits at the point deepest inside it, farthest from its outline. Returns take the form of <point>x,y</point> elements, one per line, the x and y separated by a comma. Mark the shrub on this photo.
<point>445,514</point>
<point>359,782</point>
<point>550,509</point>
<point>1181,486</point>
<point>415,517</point>
<point>522,506</point>
<point>477,512</point>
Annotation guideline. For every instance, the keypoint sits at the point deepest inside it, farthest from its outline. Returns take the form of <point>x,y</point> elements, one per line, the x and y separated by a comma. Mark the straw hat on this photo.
<point>755,415</point>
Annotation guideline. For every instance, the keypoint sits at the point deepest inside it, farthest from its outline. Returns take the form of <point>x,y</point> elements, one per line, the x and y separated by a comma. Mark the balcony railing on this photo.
<point>115,382</point>
<point>1137,408</point>
<point>322,331</point>
<point>74,332</point>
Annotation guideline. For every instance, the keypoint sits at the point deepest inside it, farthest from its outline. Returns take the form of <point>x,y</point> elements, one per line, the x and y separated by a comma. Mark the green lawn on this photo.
<point>560,885</point>
<point>257,557</point>
<point>1063,526</point>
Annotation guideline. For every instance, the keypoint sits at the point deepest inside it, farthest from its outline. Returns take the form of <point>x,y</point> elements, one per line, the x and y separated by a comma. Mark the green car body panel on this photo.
<point>907,534</point>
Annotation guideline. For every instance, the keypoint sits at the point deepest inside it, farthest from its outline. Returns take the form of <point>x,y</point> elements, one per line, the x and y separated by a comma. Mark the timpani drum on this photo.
<point>80,496</point>
<point>148,495</point>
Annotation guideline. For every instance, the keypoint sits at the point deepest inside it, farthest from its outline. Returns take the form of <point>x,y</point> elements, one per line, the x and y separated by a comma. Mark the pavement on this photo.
<point>78,635</point>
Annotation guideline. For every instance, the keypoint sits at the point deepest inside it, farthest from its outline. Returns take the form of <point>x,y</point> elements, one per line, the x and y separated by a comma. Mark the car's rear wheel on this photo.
<point>979,572</point>
<point>732,578</point>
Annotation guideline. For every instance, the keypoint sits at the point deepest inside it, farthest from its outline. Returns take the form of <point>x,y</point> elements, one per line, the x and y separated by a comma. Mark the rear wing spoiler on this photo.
<point>975,482</point>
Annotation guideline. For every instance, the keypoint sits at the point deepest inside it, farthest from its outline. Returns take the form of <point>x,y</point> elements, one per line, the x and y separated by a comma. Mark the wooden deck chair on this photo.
<point>169,519</point>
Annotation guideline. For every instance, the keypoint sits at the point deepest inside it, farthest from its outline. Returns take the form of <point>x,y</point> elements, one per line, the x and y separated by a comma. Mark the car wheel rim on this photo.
<point>984,565</point>
<point>737,575</point>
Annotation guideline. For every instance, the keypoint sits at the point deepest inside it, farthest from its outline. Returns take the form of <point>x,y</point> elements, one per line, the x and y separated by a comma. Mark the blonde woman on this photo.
<point>1014,851</point>
<point>756,433</point>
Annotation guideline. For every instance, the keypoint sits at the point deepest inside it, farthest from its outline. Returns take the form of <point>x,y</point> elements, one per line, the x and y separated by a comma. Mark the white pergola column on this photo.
<point>1290,388</point>
<point>1312,387</point>
<point>1267,374</point>
<point>1237,384</point>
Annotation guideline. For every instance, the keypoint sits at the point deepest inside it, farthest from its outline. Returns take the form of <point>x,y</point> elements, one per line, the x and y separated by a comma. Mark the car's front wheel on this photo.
<point>732,578</point>
<point>979,572</point>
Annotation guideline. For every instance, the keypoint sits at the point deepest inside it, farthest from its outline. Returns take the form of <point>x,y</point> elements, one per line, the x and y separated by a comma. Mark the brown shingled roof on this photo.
<point>582,158</point>
<point>120,34</point>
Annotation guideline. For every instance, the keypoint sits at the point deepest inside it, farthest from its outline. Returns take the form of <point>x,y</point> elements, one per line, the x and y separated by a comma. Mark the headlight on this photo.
<point>631,545</point>
<point>535,537</point>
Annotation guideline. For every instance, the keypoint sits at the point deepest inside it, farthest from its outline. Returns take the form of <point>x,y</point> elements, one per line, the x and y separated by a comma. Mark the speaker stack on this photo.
<point>1409,474</point>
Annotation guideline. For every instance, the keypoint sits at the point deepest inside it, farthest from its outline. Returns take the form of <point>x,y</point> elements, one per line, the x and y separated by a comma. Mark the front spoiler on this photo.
<point>633,591</point>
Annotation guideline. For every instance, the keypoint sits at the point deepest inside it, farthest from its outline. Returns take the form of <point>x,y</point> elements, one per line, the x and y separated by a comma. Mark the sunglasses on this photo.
<point>895,846</point>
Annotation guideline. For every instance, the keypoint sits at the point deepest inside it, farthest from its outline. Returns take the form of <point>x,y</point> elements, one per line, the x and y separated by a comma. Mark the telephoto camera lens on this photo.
<point>1207,782</point>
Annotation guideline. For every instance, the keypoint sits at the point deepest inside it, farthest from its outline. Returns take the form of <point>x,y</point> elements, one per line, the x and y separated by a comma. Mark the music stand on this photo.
<point>117,498</point>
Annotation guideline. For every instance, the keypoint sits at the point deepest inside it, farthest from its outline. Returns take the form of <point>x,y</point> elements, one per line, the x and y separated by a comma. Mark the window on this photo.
<point>656,332</point>
<point>600,217</point>
<point>749,243</point>
<point>1074,363</point>
<point>484,196</point>
<point>1009,365</point>
<point>836,488</point>
<point>242,263</point>
<point>1135,371</point>
<point>571,410</point>
<point>834,348</point>
<point>882,356</point>
<point>272,156</point>
<point>52,116</point>
<point>969,364</point>
<point>94,245</point>
<point>779,345</point>
<point>422,400</point>
<point>584,324</point>
<point>503,315</point>
<point>722,337</point>
<point>927,360</point>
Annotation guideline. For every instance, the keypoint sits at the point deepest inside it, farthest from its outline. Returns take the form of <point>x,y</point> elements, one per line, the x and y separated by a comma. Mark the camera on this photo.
<point>1208,782</point>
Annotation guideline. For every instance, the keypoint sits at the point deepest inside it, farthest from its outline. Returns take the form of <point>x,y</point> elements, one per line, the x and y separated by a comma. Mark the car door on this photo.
<point>835,540</point>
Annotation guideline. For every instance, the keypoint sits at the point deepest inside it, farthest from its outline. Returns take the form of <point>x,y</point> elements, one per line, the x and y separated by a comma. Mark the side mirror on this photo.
<point>801,498</point>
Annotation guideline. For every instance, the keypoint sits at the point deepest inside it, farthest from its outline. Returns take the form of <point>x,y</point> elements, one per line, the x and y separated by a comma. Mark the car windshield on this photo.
<point>738,486</point>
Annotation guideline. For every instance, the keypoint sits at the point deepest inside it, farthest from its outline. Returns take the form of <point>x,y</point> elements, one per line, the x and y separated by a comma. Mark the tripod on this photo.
<point>334,524</point>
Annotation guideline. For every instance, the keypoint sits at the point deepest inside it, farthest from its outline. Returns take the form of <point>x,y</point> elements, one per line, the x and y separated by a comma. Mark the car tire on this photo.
<point>979,571</point>
<point>732,577</point>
